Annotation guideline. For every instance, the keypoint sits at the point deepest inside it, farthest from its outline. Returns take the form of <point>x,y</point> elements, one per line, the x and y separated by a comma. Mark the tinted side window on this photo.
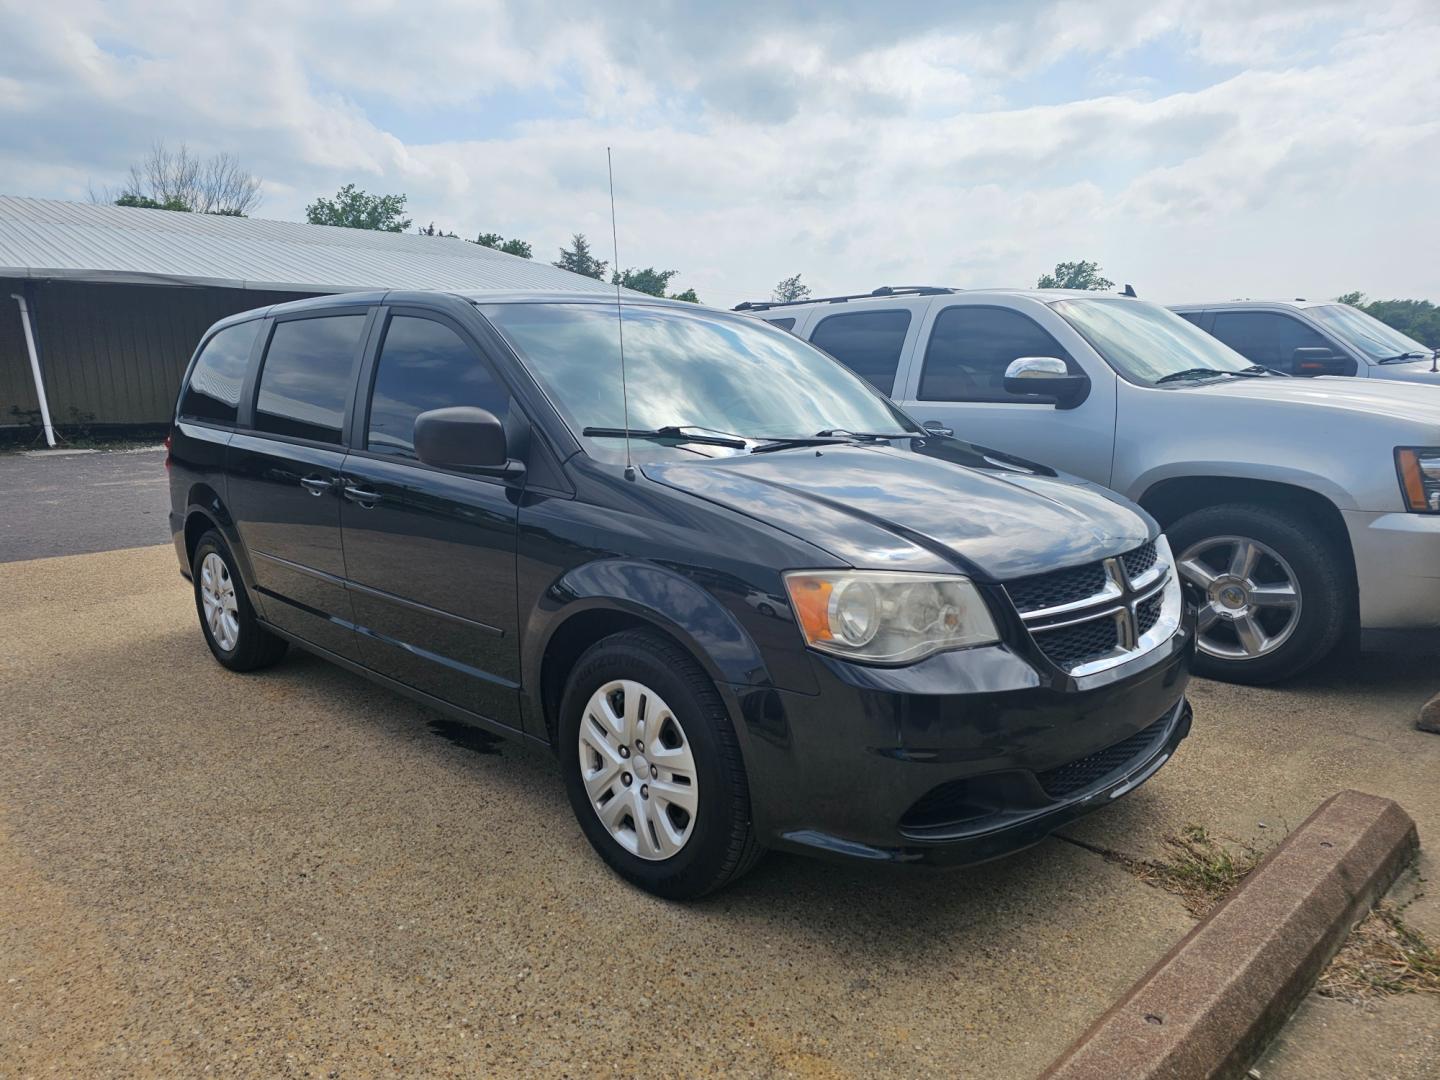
<point>425,365</point>
<point>219,374</point>
<point>306,378</point>
<point>783,324</point>
<point>1264,337</point>
<point>1191,316</point>
<point>970,348</point>
<point>867,342</point>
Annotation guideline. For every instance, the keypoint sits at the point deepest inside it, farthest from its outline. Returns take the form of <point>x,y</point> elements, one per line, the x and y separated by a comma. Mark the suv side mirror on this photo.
<point>465,438</point>
<point>1318,360</point>
<point>1047,376</point>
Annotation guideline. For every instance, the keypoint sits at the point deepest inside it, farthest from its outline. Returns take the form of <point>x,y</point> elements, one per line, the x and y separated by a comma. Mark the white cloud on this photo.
<point>864,145</point>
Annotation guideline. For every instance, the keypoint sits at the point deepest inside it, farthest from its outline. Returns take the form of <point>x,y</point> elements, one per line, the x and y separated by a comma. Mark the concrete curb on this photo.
<point>1210,1005</point>
<point>1430,715</point>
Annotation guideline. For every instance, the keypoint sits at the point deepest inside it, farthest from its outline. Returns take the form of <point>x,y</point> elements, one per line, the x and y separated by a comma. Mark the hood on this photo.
<point>1370,397</point>
<point>1410,371</point>
<point>929,505</point>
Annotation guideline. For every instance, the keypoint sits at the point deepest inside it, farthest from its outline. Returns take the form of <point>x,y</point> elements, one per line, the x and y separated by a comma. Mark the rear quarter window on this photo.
<point>213,392</point>
<point>867,342</point>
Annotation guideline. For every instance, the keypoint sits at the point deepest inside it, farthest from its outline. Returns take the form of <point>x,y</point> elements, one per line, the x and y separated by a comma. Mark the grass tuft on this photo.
<point>1382,956</point>
<point>1201,870</point>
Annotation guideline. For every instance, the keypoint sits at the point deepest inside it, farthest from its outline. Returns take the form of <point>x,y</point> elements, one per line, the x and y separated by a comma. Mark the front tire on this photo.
<point>1273,591</point>
<point>227,618</point>
<point>653,768</point>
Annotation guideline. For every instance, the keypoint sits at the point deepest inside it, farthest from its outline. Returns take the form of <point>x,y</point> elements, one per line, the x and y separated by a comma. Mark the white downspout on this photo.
<point>35,368</point>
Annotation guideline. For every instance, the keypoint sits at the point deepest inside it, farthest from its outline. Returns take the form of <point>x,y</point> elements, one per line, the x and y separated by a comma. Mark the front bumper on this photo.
<point>1397,567</point>
<point>970,757</point>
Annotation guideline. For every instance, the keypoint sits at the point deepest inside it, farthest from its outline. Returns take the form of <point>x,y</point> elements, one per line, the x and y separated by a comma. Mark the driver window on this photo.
<point>970,348</point>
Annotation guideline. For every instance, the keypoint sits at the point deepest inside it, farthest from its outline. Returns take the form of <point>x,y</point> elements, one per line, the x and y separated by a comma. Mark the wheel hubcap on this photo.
<point>1249,596</point>
<point>218,602</point>
<point>655,819</point>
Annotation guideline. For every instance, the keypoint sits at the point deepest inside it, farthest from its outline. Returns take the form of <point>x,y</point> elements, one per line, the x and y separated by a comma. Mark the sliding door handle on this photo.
<point>317,485</point>
<point>361,496</point>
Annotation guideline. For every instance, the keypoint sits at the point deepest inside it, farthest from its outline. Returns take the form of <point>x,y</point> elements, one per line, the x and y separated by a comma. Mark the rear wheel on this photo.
<point>227,619</point>
<point>1272,591</point>
<point>653,768</point>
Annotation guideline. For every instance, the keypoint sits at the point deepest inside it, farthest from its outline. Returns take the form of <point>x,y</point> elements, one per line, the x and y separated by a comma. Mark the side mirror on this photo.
<point>465,438</point>
<point>1319,360</point>
<point>1046,376</point>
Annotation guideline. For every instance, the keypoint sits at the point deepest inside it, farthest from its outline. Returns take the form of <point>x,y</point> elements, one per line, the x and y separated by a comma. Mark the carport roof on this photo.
<point>48,238</point>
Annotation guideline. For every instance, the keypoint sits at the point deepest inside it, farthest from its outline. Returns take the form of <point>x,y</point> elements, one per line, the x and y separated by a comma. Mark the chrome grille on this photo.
<point>1085,619</point>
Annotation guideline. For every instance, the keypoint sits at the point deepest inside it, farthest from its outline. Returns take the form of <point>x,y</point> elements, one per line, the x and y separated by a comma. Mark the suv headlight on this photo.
<point>887,617</point>
<point>1419,469</point>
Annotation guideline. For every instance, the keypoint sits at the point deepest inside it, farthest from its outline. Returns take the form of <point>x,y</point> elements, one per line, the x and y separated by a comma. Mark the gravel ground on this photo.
<point>297,874</point>
<point>70,502</point>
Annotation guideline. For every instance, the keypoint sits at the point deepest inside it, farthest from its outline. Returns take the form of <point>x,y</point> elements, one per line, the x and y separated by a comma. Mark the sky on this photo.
<point>1198,149</point>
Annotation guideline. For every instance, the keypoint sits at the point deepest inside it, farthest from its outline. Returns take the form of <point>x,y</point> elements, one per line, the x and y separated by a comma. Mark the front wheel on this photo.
<point>653,768</point>
<point>1273,592</point>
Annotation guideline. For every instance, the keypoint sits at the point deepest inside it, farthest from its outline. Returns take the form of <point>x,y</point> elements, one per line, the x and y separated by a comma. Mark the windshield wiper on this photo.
<point>1400,358</point>
<point>868,436</point>
<point>1259,369</point>
<point>672,431</point>
<point>1191,373</point>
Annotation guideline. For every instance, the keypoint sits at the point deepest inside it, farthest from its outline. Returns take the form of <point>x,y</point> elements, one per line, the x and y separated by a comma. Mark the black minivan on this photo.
<point>745,599</point>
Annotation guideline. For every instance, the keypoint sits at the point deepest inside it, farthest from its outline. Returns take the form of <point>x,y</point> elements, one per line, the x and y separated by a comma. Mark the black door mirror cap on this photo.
<point>1318,360</point>
<point>1065,391</point>
<point>465,438</point>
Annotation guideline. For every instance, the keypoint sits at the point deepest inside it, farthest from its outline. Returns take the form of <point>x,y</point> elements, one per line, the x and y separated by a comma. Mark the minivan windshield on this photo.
<point>688,369</point>
<point>1365,333</point>
<point>1147,344</point>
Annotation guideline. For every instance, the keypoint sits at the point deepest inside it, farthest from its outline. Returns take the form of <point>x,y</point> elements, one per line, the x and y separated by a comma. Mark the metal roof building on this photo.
<point>116,297</point>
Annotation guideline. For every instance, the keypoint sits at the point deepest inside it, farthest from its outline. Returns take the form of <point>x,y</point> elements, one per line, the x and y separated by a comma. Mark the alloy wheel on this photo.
<point>1249,596</point>
<point>638,770</point>
<point>217,598</point>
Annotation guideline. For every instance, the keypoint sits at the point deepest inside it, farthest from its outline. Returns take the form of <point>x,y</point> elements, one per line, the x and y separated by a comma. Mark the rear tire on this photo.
<point>1237,561</point>
<point>622,690</point>
<point>227,618</point>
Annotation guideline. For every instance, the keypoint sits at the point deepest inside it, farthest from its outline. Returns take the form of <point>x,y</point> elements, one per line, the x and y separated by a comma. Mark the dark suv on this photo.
<point>777,614</point>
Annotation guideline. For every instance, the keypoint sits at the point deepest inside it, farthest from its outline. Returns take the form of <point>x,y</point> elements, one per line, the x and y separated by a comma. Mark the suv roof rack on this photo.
<point>884,290</point>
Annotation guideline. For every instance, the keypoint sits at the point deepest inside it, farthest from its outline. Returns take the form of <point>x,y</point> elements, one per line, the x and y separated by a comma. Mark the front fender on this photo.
<point>1141,485</point>
<point>658,595</point>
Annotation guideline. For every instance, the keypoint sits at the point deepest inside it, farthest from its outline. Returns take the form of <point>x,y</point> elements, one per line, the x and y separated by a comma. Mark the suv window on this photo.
<point>219,374</point>
<point>970,348</point>
<point>307,375</point>
<point>1267,338</point>
<point>867,342</point>
<point>1195,317</point>
<point>425,365</point>
<point>783,324</point>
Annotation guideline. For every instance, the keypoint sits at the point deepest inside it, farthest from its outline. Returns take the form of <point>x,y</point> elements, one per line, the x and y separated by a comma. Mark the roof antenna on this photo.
<point>1129,290</point>
<point>619,318</point>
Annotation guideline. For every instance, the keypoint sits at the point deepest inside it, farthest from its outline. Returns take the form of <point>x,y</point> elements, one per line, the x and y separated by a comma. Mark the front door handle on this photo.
<point>316,485</point>
<point>935,427</point>
<point>361,496</point>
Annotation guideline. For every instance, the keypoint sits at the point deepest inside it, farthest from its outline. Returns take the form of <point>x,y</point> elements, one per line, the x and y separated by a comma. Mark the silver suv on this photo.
<point>1300,509</point>
<point>1307,338</point>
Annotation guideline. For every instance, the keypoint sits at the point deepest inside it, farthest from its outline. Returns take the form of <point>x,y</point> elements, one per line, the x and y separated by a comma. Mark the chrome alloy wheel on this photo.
<point>1251,598</point>
<point>217,597</point>
<point>638,770</point>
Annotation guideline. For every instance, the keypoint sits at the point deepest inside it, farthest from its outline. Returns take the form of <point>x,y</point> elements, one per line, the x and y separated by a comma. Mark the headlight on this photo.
<point>887,618</point>
<point>1419,469</point>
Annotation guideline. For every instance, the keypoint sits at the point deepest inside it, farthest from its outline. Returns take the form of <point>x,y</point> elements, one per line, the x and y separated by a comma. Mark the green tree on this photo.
<point>430,230</point>
<point>688,295</point>
<point>648,280</point>
<point>144,202</point>
<point>790,288</point>
<point>1420,319</point>
<point>354,209</point>
<point>578,259</point>
<point>1075,275</point>
<point>499,243</point>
